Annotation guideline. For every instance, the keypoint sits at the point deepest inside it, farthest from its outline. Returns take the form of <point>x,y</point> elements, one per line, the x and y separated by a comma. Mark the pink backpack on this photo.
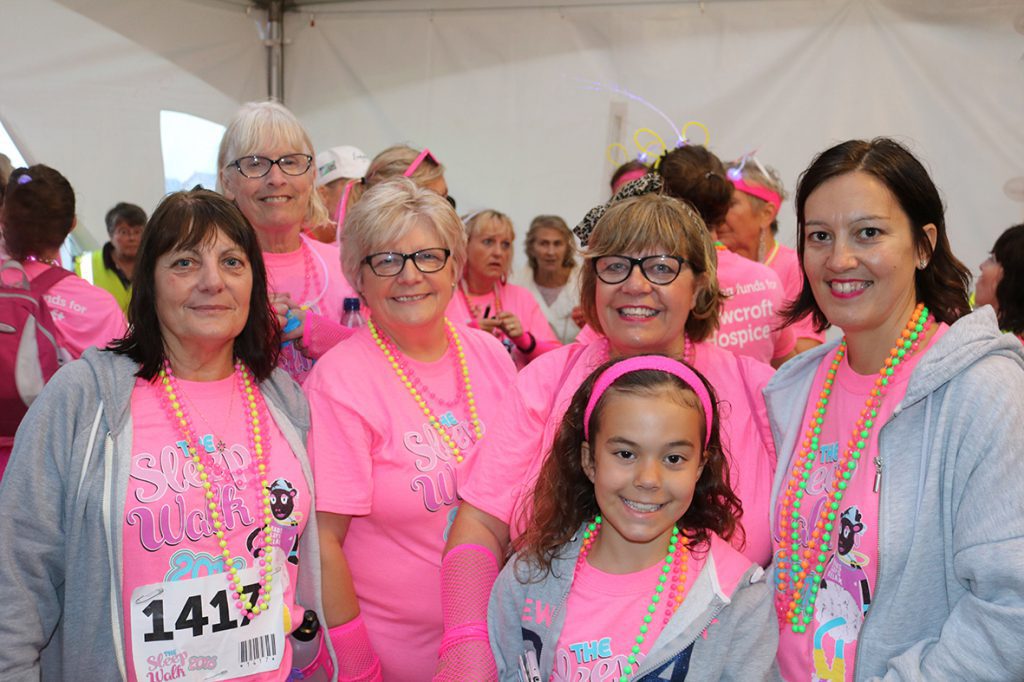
<point>29,341</point>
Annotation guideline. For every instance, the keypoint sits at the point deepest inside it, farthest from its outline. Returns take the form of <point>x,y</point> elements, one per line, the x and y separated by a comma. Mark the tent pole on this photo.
<point>275,50</point>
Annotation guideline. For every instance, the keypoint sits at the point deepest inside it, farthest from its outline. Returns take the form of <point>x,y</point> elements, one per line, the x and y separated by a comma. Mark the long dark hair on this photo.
<point>942,284</point>
<point>184,220</point>
<point>564,496</point>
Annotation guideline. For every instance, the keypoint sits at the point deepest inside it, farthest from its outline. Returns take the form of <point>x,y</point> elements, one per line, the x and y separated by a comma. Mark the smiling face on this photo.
<point>860,256</point>
<point>409,302</point>
<point>276,203</point>
<point>489,251</point>
<point>644,461</point>
<point>550,249</point>
<point>744,224</point>
<point>202,296</point>
<point>640,317</point>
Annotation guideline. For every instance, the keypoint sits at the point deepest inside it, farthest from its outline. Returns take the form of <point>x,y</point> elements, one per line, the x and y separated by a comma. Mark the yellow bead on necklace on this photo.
<point>404,374</point>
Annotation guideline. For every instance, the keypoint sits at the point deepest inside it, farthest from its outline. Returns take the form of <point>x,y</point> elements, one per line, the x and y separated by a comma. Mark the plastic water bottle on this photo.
<point>310,660</point>
<point>351,317</point>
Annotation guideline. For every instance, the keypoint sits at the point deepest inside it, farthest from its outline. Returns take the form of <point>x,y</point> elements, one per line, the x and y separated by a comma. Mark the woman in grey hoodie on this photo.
<point>158,504</point>
<point>897,518</point>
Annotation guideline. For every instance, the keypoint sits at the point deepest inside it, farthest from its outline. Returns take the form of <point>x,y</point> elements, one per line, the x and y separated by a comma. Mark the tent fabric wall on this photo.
<point>498,93</point>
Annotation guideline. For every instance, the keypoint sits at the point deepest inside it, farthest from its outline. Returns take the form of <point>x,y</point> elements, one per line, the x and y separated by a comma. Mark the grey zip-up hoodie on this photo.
<point>949,596</point>
<point>725,629</point>
<point>62,505</point>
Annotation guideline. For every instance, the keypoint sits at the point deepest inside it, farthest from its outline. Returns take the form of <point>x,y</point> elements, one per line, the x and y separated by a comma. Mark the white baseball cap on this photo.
<point>340,162</point>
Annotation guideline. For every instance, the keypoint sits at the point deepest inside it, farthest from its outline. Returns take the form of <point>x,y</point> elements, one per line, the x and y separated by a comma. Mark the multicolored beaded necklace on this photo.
<point>405,375</point>
<point>805,567</point>
<point>673,569</point>
<point>259,447</point>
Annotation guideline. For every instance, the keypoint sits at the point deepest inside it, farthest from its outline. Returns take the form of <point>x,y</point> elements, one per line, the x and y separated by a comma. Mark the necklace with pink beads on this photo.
<point>800,569</point>
<point>208,467</point>
<point>673,571</point>
<point>404,375</point>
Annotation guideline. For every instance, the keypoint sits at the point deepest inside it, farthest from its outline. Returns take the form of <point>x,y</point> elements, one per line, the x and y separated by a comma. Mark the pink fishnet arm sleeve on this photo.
<point>357,661</point>
<point>468,573</point>
<point>320,334</point>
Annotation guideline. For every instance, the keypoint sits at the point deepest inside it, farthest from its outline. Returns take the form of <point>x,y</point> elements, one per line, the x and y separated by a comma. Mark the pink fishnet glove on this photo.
<point>320,334</point>
<point>357,661</point>
<point>468,573</point>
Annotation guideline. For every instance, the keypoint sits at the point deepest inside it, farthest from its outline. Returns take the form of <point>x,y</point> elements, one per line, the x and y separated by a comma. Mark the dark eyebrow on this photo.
<point>618,440</point>
<point>860,219</point>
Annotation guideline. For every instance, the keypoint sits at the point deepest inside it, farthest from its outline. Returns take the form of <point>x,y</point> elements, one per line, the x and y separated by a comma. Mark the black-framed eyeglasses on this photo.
<point>390,263</point>
<point>661,269</point>
<point>258,166</point>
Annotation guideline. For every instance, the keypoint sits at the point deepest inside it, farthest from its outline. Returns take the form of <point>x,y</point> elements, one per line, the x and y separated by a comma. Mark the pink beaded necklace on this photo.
<point>404,374</point>
<point>800,568</point>
<point>259,446</point>
<point>673,571</point>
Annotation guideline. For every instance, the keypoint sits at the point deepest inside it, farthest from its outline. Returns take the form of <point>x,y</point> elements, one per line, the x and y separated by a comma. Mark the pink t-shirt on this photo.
<point>501,478</point>
<point>602,619</point>
<point>168,533</point>
<point>786,263</point>
<point>748,321</point>
<point>828,649</point>
<point>312,275</point>
<point>467,310</point>
<point>84,314</point>
<point>376,458</point>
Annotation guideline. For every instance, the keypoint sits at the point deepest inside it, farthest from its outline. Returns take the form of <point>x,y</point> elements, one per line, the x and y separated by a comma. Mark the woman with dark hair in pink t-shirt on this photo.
<point>159,491</point>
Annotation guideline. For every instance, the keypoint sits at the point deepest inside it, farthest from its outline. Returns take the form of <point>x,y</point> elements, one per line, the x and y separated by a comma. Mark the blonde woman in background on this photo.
<point>552,276</point>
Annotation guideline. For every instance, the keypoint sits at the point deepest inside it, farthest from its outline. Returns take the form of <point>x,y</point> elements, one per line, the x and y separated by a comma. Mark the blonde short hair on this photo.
<point>655,222</point>
<point>259,124</point>
<point>393,162</point>
<point>387,213</point>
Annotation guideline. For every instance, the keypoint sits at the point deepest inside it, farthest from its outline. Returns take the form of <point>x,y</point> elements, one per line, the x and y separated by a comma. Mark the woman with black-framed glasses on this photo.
<point>397,412</point>
<point>266,168</point>
<point>648,286</point>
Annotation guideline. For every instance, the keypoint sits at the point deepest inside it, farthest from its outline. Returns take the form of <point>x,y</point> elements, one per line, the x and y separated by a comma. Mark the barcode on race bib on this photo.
<point>252,651</point>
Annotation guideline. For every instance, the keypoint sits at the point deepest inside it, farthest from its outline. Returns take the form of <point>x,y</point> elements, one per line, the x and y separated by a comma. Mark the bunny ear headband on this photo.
<point>645,184</point>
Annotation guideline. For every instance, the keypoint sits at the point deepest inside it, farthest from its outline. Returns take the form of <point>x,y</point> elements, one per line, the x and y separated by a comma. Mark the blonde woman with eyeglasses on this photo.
<point>266,168</point>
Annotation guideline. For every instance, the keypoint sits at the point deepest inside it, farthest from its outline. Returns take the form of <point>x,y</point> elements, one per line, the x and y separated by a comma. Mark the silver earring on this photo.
<point>922,264</point>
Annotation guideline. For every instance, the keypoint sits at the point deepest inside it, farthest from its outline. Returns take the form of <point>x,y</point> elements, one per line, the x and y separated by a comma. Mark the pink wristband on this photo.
<point>357,661</point>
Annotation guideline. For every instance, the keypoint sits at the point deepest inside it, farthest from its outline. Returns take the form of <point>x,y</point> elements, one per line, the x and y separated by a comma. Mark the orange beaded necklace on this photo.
<point>799,570</point>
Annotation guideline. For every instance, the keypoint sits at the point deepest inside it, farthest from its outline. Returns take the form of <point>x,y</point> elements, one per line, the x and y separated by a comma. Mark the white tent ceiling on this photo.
<point>494,88</point>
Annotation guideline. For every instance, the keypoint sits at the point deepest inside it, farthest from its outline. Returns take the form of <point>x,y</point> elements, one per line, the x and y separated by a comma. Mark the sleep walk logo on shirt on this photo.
<point>435,478</point>
<point>183,620</point>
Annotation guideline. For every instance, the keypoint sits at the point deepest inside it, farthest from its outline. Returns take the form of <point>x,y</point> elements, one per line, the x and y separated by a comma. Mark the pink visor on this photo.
<point>757,191</point>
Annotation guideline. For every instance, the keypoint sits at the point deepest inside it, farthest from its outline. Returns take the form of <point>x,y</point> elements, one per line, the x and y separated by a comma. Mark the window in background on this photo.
<point>189,146</point>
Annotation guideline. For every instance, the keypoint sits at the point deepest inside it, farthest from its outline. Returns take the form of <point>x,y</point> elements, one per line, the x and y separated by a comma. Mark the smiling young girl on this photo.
<point>625,572</point>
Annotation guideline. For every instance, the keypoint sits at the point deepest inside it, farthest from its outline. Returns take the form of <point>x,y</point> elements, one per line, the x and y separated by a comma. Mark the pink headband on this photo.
<point>629,177</point>
<point>416,163</point>
<point>656,362</point>
<point>757,191</point>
